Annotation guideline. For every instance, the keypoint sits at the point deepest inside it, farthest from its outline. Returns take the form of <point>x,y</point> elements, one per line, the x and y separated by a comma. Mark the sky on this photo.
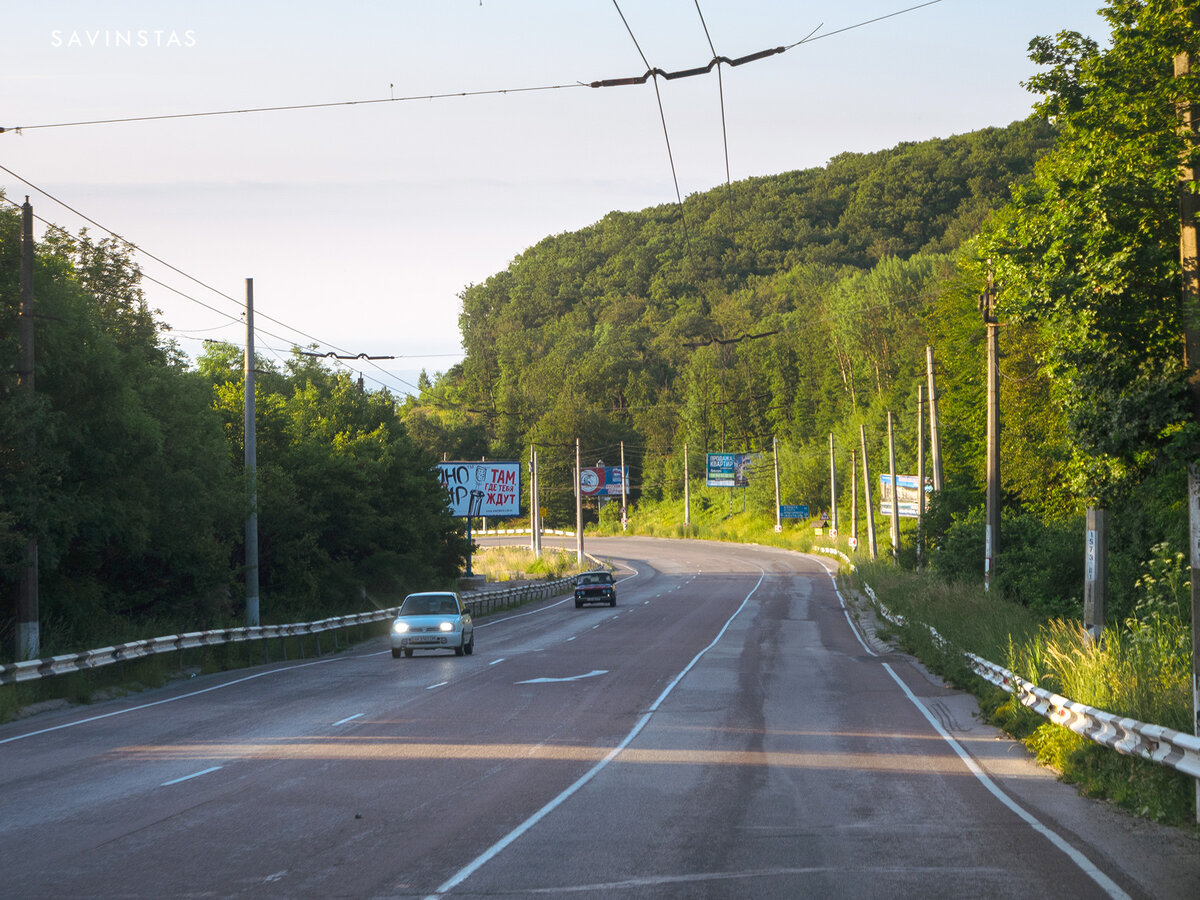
<point>360,224</point>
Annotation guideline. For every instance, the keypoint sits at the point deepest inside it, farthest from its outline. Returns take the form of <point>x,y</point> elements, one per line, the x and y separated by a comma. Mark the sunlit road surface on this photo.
<point>730,729</point>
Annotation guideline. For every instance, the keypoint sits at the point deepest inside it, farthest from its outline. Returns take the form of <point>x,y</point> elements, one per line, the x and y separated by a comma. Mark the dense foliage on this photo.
<point>787,306</point>
<point>798,306</point>
<point>134,488</point>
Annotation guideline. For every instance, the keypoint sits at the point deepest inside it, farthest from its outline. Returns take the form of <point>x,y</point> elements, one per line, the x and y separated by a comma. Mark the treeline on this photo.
<point>800,305</point>
<point>135,487</point>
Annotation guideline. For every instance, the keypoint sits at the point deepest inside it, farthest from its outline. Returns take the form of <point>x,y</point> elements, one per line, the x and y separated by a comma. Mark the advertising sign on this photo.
<point>602,481</point>
<point>908,494</point>
<point>729,469</point>
<point>486,488</point>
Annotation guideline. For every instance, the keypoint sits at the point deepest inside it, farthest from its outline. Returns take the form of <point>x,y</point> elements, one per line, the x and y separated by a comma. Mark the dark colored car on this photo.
<point>595,587</point>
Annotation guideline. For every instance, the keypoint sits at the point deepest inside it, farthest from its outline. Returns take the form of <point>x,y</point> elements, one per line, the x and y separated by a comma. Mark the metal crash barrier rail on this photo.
<point>479,602</point>
<point>1155,743</point>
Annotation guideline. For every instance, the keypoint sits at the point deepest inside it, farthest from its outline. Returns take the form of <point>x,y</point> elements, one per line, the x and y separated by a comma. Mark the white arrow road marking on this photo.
<point>591,674</point>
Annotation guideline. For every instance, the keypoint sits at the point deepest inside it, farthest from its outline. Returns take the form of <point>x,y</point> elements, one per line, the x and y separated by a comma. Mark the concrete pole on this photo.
<point>833,519</point>
<point>920,478</point>
<point>251,466</point>
<point>987,302</point>
<point>935,441</point>
<point>624,490</point>
<point>862,436</point>
<point>28,622</point>
<point>687,490</point>
<point>895,531</point>
<point>778,511</point>
<point>578,506</point>
<point>1095,572</point>
<point>853,499</point>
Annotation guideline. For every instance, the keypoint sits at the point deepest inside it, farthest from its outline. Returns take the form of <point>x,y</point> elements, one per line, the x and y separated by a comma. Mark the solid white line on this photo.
<point>1089,868</point>
<point>496,848</point>
<point>190,777</point>
<point>215,687</point>
<point>347,719</point>
<point>846,612</point>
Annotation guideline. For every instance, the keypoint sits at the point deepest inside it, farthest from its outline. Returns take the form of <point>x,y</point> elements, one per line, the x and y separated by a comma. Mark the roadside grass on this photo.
<point>500,564</point>
<point>1142,671</point>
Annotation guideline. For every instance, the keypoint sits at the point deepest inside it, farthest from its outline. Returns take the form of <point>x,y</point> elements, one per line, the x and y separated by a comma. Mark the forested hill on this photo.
<point>756,310</point>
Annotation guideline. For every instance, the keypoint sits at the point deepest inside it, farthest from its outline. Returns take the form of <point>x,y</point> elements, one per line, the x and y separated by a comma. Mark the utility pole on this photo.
<point>895,531</point>
<point>1189,204</point>
<point>624,490</point>
<point>853,499</point>
<point>935,441</point>
<point>535,513</point>
<point>28,623</point>
<point>833,522</point>
<point>1095,572</point>
<point>920,478</point>
<point>862,436</point>
<point>578,506</point>
<point>775,458</point>
<point>991,537</point>
<point>687,491</point>
<point>251,465</point>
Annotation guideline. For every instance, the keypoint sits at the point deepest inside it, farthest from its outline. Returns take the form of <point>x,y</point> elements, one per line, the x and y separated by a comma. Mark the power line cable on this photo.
<point>163,262</point>
<point>289,107</point>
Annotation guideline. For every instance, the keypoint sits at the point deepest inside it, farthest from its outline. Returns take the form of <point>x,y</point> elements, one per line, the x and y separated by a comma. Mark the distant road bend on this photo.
<point>730,729</point>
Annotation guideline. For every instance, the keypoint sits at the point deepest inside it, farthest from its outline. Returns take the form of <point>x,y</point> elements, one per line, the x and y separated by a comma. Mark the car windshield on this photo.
<point>436,605</point>
<point>595,578</point>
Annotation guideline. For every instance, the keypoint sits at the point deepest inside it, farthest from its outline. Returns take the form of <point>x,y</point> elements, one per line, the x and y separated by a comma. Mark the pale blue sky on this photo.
<point>360,225</point>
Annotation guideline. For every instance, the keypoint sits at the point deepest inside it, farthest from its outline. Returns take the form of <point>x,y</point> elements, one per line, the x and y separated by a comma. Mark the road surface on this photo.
<point>730,729</point>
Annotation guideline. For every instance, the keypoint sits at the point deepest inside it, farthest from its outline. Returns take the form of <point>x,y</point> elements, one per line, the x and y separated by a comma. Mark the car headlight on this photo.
<point>400,627</point>
<point>446,626</point>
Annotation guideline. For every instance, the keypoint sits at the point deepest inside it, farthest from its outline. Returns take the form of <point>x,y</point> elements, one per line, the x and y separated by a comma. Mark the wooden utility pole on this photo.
<point>991,537</point>
<point>28,634</point>
<point>895,531</point>
<point>1189,204</point>
<point>862,436</point>
<point>251,465</point>
<point>935,440</point>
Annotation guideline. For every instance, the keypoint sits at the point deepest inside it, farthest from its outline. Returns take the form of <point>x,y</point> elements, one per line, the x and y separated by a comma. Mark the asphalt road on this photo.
<point>730,729</point>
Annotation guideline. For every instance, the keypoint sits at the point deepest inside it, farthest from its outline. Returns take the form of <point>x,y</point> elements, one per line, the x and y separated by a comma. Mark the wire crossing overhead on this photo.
<point>608,82</point>
<point>687,73</point>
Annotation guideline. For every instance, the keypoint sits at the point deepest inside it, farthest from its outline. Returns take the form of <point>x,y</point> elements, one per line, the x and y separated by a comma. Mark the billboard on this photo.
<point>729,469</point>
<point>486,488</point>
<point>908,494</point>
<point>602,481</point>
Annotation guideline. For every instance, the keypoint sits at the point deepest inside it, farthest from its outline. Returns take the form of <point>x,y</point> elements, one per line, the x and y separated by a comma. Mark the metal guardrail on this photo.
<point>1155,743</point>
<point>480,603</point>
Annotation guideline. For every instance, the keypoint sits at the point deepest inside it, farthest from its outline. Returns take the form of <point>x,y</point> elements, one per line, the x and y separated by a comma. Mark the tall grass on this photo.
<point>1141,670</point>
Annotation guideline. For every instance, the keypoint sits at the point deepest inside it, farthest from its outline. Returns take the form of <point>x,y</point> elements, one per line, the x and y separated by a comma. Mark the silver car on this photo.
<point>435,620</point>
